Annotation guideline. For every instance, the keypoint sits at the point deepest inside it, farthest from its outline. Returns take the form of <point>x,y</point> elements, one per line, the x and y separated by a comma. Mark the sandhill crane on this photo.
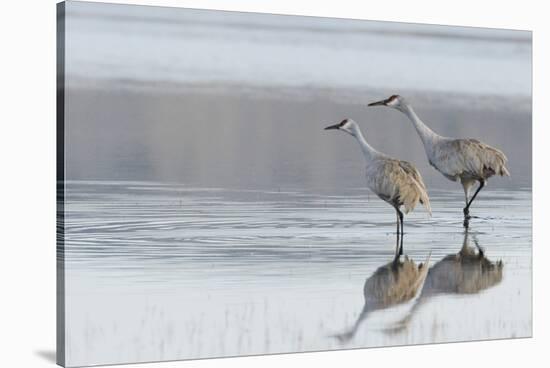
<point>466,159</point>
<point>397,182</point>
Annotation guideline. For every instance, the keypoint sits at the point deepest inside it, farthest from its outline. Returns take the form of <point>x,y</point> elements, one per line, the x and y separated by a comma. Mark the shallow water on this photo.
<point>160,271</point>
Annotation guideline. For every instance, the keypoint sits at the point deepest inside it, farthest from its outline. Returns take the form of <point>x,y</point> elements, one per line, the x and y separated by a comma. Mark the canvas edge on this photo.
<point>60,184</point>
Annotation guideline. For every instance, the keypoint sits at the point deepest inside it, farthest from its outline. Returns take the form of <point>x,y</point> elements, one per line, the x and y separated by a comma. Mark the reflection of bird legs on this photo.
<point>418,286</point>
<point>404,322</point>
<point>479,248</point>
<point>347,336</point>
<point>465,250</point>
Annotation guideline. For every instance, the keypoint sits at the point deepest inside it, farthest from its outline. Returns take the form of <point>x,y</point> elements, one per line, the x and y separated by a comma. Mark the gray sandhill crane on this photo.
<point>387,287</point>
<point>467,160</point>
<point>397,182</point>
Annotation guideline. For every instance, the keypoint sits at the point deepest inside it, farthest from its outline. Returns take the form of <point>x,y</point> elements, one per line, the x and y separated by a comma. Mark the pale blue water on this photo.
<point>157,271</point>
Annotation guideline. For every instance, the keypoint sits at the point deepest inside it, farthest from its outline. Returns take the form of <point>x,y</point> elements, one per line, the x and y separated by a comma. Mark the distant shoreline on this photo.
<point>350,95</point>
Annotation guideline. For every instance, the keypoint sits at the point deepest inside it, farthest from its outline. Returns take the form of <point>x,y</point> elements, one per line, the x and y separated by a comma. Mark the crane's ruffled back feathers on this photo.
<point>398,180</point>
<point>470,157</point>
<point>417,185</point>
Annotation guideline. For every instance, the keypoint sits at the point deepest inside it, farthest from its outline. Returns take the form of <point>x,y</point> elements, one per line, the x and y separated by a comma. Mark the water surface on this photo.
<point>158,271</point>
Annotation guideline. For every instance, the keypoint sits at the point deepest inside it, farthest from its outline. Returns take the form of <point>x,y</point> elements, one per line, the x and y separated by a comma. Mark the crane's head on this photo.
<point>347,125</point>
<point>394,101</point>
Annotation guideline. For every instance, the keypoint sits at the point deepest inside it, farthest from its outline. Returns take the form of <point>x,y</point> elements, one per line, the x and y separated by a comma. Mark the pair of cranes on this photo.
<point>400,184</point>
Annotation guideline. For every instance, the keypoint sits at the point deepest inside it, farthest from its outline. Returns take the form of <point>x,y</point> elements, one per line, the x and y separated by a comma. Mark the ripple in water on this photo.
<point>158,271</point>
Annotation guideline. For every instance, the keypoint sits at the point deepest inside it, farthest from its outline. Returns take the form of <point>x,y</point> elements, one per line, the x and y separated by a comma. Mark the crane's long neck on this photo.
<point>367,149</point>
<point>427,135</point>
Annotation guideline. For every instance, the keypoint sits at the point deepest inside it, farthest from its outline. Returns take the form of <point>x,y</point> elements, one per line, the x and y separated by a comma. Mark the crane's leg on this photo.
<point>397,236</point>
<point>402,233</point>
<point>400,218</point>
<point>466,222</point>
<point>397,221</point>
<point>467,209</point>
<point>466,185</point>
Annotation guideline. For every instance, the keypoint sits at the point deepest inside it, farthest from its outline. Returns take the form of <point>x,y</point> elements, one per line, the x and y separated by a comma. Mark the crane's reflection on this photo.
<point>392,284</point>
<point>467,272</point>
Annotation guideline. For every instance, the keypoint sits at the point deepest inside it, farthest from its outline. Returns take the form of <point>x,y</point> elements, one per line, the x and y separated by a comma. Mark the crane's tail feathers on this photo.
<point>494,161</point>
<point>423,196</point>
<point>504,171</point>
<point>420,196</point>
<point>429,209</point>
<point>426,202</point>
<point>414,193</point>
<point>409,186</point>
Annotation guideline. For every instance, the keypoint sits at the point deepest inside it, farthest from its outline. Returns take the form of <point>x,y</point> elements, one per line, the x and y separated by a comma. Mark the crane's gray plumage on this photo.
<point>397,182</point>
<point>467,160</point>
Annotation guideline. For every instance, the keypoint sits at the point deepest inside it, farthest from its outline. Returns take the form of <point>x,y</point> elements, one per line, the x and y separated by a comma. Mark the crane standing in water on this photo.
<point>397,182</point>
<point>466,159</point>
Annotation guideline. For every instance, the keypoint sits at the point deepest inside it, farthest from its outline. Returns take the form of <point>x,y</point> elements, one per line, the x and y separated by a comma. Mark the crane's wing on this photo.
<point>413,172</point>
<point>457,157</point>
<point>394,180</point>
<point>414,175</point>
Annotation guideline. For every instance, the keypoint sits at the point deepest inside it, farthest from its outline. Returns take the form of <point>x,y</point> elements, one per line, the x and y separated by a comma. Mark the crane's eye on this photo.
<point>392,99</point>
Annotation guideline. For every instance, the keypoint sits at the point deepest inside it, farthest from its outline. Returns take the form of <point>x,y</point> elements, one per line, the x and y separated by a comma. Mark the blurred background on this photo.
<point>236,100</point>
